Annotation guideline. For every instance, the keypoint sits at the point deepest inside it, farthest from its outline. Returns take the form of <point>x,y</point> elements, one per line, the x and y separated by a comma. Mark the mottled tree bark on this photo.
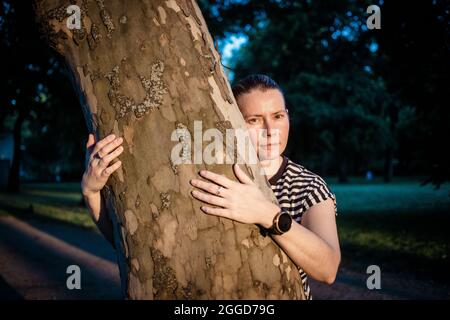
<point>143,69</point>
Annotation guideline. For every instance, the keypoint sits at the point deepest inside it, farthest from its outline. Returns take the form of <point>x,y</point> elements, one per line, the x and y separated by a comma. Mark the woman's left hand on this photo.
<point>240,201</point>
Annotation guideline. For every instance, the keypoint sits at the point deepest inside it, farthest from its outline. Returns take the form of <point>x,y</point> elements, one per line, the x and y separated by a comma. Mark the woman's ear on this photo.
<point>287,112</point>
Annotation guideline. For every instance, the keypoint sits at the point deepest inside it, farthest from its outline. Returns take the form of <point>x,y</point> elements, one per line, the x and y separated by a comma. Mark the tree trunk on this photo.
<point>142,70</point>
<point>388,171</point>
<point>14,172</point>
<point>341,161</point>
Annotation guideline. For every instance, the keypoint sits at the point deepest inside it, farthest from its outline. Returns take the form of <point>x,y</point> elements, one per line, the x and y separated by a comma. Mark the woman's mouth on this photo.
<point>271,145</point>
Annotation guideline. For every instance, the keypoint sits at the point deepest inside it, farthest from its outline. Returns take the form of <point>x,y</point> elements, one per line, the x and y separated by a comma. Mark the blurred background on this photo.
<point>369,112</point>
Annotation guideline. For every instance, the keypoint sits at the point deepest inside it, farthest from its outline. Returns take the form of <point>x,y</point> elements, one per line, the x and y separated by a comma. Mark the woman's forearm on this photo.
<point>309,252</point>
<point>99,214</point>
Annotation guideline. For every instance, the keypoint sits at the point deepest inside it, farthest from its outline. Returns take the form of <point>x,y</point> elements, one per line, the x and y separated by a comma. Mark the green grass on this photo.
<point>58,202</point>
<point>415,234</point>
<point>394,198</point>
<point>401,226</point>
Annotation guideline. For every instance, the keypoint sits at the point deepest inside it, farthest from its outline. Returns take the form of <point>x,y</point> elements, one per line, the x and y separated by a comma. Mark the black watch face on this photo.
<point>284,222</point>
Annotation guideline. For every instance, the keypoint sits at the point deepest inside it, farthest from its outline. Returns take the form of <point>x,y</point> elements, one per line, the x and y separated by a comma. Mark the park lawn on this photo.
<point>398,243</point>
<point>59,202</point>
<point>401,226</point>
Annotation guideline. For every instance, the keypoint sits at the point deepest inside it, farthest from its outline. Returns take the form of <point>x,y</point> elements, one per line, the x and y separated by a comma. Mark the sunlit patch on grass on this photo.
<point>63,206</point>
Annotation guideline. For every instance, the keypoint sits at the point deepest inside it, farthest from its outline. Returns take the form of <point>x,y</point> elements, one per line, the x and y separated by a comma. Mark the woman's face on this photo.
<point>267,120</point>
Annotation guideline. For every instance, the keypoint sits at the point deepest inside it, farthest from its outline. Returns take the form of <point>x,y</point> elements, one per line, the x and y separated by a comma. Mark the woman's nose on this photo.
<point>269,128</point>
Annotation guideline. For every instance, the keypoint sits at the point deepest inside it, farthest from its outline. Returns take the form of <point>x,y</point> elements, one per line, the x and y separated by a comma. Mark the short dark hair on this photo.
<point>254,81</point>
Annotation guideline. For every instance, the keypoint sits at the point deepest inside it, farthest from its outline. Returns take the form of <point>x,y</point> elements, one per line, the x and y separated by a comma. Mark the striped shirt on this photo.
<point>297,189</point>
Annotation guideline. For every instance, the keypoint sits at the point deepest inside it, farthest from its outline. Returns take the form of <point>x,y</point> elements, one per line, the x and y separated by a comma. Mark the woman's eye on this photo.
<point>252,121</point>
<point>279,116</point>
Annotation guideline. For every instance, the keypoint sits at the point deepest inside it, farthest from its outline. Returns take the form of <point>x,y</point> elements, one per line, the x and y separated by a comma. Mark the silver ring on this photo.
<point>218,191</point>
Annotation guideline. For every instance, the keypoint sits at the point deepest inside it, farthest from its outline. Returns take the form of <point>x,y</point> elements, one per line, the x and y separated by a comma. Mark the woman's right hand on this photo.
<point>98,157</point>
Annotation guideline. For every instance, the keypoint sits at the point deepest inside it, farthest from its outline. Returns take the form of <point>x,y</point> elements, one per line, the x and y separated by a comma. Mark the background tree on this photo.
<point>416,42</point>
<point>369,77</point>
<point>37,102</point>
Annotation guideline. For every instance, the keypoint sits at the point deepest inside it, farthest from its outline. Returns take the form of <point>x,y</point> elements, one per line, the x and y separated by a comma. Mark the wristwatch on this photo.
<point>281,223</point>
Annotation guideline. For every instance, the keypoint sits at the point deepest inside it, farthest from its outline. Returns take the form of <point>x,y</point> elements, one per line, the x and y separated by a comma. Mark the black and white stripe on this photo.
<point>297,189</point>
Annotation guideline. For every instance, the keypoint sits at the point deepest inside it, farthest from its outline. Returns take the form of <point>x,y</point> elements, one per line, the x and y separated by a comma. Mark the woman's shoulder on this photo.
<point>299,173</point>
<point>309,183</point>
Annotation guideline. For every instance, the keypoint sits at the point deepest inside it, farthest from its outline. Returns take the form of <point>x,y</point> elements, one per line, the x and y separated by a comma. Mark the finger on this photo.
<point>241,175</point>
<point>210,199</point>
<point>217,178</point>
<point>104,162</point>
<point>220,212</point>
<point>108,171</point>
<point>212,188</point>
<point>102,143</point>
<point>91,141</point>
<point>110,146</point>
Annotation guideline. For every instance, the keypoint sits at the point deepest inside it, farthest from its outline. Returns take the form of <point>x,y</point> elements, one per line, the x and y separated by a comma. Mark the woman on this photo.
<point>310,240</point>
